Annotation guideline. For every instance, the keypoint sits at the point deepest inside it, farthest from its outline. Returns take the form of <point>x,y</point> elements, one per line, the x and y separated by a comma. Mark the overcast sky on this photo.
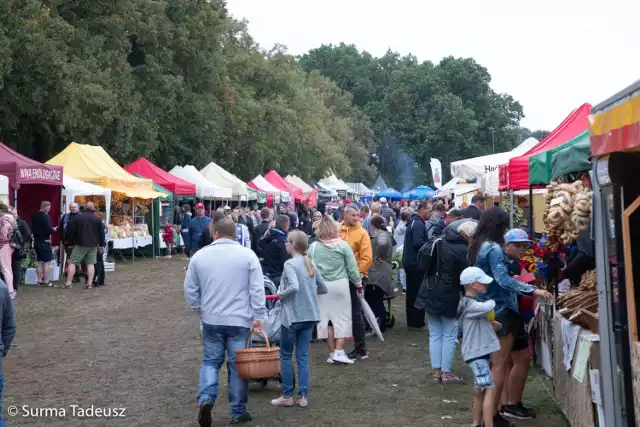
<point>551,55</point>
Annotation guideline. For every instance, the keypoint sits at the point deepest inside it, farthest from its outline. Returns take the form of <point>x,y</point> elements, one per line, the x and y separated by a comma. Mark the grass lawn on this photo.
<point>134,344</point>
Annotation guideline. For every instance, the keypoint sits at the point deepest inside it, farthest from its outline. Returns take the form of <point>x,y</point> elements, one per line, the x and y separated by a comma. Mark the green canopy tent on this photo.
<point>572,156</point>
<point>163,207</point>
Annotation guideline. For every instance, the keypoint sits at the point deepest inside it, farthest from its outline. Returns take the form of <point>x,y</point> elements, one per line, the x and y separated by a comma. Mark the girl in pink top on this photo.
<point>7,228</point>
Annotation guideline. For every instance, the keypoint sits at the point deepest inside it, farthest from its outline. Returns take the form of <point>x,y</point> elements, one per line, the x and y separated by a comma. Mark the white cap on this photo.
<point>474,275</point>
<point>383,200</point>
<point>227,208</point>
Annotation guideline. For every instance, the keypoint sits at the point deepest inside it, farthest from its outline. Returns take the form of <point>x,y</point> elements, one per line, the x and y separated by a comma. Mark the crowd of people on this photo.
<point>455,265</point>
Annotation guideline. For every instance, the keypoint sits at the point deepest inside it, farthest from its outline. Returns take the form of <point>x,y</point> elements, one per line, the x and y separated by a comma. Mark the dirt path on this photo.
<point>135,345</point>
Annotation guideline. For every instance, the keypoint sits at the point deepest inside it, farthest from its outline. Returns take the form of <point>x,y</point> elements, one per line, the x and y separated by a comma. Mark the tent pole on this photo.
<point>510,208</point>
<point>153,238</point>
<point>15,198</point>
<point>133,236</point>
<point>531,211</point>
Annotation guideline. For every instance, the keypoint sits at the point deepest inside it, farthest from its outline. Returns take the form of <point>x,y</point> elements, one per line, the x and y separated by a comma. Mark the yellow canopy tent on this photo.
<point>92,164</point>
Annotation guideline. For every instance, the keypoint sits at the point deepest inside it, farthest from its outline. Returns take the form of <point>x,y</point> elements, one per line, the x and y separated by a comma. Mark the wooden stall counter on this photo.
<point>572,388</point>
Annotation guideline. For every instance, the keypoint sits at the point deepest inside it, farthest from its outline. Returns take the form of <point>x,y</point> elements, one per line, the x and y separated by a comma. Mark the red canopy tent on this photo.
<point>145,168</point>
<point>32,182</point>
<point>515,174</point>
<point>277,181</point>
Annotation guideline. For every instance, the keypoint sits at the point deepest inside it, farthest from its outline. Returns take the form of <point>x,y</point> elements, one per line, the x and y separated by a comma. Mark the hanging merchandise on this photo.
<point>568,212</point>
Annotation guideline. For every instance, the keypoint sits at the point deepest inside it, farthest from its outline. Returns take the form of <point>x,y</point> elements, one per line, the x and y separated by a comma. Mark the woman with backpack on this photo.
<point>443,260</point>
<point>7,230</point>
<point>381,271</point>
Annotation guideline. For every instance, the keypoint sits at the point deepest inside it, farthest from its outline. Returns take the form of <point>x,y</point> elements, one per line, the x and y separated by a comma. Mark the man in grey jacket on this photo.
<point>8,322</point>
<point>224,280</point>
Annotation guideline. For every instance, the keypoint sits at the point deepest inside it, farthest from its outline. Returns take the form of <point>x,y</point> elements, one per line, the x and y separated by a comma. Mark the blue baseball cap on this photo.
<point>516,235</point>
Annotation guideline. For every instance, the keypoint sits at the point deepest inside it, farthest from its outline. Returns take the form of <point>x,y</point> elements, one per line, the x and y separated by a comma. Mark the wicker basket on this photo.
<point>258,363</point>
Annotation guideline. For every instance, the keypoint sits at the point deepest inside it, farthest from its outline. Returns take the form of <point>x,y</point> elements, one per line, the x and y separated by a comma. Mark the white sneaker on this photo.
<point>330,359</point>
<point>341,357</point>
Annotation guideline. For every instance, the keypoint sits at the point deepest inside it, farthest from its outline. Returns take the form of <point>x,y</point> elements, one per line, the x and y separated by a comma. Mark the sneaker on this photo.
<point>283,401</point>
<point>245,418</point>
<point>518,412</point>
<point>354,355</point>
<point>340,357</point>
<point>369,334</point>
<point>499,421</point>
<point>330,359</point>
<point>204,414</point>
<point>302,402</point>
<point>449,377</point>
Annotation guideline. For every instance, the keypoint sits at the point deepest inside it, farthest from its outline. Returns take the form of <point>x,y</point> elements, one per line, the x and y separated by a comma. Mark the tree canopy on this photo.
<point>182,82</point>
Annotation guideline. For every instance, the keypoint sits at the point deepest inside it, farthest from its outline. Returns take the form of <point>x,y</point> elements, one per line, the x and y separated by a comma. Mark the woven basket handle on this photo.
<point>266,339</point>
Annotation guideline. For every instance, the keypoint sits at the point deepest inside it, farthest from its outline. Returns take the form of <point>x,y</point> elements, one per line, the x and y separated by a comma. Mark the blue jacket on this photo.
<point>504,289</point>
<point>196,228</point>
<point>186,220</point>
<point>414,238</point>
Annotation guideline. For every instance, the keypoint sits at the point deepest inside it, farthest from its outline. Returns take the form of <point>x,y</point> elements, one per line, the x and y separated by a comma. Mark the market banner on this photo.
<point>436,172</point>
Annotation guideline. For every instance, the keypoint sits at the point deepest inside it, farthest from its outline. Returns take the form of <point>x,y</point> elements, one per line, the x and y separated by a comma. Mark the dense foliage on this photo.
<point>182,82</point>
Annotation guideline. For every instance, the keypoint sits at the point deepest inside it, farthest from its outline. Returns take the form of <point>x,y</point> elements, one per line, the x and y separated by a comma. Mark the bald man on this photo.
<point>85,235</point>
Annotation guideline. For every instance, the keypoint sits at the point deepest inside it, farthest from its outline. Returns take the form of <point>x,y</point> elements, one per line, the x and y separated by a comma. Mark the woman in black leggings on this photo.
<point>381,271</point>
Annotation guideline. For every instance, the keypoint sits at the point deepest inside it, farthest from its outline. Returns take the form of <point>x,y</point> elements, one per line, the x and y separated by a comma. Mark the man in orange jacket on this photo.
<point>357,237</point>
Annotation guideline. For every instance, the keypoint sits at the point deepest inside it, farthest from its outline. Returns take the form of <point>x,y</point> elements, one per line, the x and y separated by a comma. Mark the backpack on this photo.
<point>16,241</point>
<point>428,254</point>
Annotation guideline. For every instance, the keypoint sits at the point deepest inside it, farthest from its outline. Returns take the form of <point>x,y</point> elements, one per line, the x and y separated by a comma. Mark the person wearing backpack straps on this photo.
<point>7,230</point>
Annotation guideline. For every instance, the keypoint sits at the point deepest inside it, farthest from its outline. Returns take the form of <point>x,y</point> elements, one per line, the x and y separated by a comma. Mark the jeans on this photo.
<point>415,317</point>
<point>216,341</point>
<point>443,332</point>
<point>186,242</point>
<point>5,265</point>
<point>357,320</point>
<point>299,334</point>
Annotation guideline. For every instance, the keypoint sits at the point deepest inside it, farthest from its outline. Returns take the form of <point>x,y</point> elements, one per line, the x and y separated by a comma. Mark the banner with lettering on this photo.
<point>436,172</point>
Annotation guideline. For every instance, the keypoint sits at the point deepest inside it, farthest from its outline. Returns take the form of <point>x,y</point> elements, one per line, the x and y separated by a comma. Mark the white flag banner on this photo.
<point>436,172</point>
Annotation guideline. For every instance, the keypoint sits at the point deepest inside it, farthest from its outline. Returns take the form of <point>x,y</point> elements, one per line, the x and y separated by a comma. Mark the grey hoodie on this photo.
<point>478,337</point>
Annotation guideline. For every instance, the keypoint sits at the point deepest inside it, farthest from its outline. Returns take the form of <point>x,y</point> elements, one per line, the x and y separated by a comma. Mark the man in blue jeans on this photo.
<point>8,322</point>
<point>224,280</point>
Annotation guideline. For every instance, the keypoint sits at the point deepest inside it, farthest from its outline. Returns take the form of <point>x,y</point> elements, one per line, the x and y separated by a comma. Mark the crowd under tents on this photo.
<point>144,168</point>
<point>514,175</point>
<point>204,188</point>
<point>30,182</point>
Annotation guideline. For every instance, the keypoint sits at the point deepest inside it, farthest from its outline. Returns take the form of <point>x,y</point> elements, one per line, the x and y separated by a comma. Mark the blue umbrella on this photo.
<point>390,193</point>
<point>419,193</point>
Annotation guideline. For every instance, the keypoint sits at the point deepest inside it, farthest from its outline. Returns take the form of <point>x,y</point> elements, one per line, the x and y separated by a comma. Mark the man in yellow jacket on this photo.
<point>357,237</point>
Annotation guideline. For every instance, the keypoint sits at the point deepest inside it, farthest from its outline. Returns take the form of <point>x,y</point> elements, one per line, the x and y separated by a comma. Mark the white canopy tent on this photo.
<point>332,182</point>
<point>485,168</point>
<point>359,188</point>
<point>458,186</point>
<point>264,185</point>
<point>217,175</point>
<point>4,189</point>
<point>204,188</point>
<point>298,182</point>
<point>74,188</point>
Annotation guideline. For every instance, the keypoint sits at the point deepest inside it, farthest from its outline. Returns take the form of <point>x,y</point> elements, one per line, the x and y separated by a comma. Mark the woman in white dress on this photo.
<point>337,266</point>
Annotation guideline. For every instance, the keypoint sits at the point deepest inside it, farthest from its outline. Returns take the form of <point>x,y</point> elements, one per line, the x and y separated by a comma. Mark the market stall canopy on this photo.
<point>478,166</point>
<point>419,193</point>
<point>515,174</point>
<point>334,183</point>
<point>615,124</point>
<point>144,168</point>
<point>90,163</point>
<point>576,158</point>
<point>74,188</point>
<point>218,176</point>
<point>379,185</point>
<point>261,184</point>
<point>204,188</point>
<point>391,194</point>
<point>293,179</point>
<point>323,192</point>
<point>279,182</point>
<point>23,170</point>
<point>458,186</point>
<point>359,188</point>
